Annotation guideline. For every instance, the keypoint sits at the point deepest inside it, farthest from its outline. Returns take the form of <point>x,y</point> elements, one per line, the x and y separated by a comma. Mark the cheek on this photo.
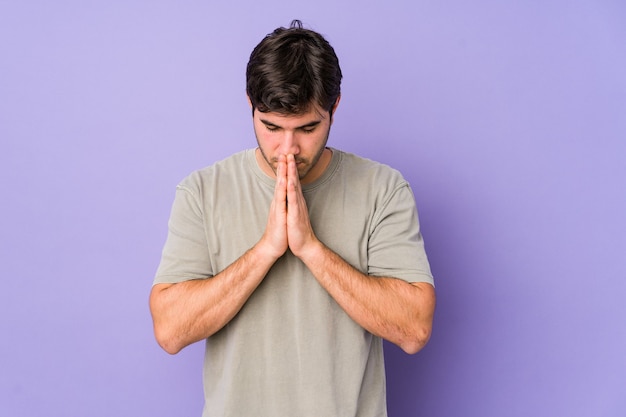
<point>319,140</point>
<point>262,136</point>
<point>267,141</point>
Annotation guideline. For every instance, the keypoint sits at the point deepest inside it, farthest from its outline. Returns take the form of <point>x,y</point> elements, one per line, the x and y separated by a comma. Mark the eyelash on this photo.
<point>276,129</point>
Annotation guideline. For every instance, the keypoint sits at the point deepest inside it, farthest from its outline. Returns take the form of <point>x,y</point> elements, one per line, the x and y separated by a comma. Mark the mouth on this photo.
<point>299,162</point>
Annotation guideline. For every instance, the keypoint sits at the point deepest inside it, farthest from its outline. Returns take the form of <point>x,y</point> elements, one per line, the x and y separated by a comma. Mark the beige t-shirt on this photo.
<point>291,350</point>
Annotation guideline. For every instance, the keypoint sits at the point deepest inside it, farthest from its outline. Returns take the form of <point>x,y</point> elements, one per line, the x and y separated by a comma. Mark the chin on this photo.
<point>303,172</point>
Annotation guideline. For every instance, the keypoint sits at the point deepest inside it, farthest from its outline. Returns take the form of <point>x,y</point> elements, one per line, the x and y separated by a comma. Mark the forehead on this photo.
<point>314,114</point>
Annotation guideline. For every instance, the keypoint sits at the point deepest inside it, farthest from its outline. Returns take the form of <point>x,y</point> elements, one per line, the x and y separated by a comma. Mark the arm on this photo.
<point>393,309</point>
<point>189,311</point>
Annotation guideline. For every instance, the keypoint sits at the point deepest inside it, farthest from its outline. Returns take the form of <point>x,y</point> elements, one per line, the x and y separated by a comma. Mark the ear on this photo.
<point>332,114</point>
<point>250,104</point>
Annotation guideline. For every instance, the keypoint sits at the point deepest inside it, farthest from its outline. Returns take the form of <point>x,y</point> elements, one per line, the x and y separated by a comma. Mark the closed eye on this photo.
<point>307,128</point>
<point>271,127</point>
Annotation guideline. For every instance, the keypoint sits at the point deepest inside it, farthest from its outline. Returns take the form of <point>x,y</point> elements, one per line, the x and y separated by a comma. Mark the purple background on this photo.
<point>508,119</point>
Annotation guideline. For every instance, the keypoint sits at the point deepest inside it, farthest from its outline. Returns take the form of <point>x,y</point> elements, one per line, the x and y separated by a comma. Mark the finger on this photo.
<point>294,191</point>
<point>281,166</point>
<point>281,172</point>
<point>275,231</point>
<point>293,181</point>
<point>292,172</point>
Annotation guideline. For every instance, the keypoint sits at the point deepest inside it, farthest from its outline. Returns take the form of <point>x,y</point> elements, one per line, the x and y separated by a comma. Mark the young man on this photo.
<point>293,260</point>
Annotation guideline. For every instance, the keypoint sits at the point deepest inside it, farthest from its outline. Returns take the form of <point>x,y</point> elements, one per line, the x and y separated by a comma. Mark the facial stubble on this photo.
<point>308,164</point>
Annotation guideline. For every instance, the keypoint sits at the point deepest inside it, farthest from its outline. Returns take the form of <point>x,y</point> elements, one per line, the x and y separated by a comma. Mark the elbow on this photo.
<point>166,340</point>
<point>416,340</point>
<point>165,334</point>
<point>170,348</point>
<point>419,331</point>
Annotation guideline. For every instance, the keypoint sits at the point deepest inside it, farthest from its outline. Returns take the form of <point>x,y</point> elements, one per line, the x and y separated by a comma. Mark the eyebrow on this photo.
<point>310,124</point>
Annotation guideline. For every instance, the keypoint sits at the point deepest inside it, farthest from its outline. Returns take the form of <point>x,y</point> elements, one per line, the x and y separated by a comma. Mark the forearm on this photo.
<point>190,311</point>
<point>393,309</point>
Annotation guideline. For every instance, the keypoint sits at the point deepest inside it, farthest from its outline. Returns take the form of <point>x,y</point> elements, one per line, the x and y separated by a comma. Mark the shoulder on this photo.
<point>367,171</point>
<point>219,172</point>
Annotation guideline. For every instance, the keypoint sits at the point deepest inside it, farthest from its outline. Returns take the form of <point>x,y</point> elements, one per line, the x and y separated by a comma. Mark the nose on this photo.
<point>289,143</point>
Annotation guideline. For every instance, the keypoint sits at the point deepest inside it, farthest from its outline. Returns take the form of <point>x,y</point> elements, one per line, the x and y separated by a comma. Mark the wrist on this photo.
<point>311,252</point>
<point>264,251</point>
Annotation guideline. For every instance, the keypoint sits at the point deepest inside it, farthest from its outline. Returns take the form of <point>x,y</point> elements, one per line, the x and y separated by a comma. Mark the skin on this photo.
<point>292,149</point>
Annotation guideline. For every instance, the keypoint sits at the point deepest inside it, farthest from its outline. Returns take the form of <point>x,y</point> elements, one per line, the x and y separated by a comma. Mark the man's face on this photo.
<point>304,136</point>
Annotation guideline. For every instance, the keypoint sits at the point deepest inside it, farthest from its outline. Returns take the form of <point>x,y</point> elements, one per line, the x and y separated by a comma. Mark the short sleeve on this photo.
<point>396,247</point>
<point>185,254</point>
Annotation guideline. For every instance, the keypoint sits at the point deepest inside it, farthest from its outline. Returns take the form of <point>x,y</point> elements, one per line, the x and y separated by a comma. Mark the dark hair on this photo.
<point>291,69</point>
